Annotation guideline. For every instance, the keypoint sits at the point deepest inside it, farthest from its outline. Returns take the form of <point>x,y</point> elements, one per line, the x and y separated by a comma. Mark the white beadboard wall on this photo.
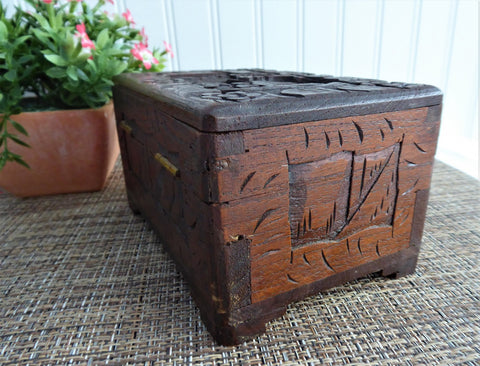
<point>423,41</point>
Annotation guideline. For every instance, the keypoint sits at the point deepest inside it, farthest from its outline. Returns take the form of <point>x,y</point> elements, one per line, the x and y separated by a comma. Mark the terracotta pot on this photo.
<point>71,151</point>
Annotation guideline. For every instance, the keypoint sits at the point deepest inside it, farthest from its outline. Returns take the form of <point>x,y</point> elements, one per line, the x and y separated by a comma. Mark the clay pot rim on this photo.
<point>106,105</point>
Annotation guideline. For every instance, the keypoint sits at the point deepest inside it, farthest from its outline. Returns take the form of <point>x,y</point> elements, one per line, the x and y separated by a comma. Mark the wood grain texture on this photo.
<point>261,217</point>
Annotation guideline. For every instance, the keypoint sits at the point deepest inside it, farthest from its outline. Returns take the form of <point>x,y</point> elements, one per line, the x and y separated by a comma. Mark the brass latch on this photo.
<point>172,169</point>
<point>125,127</point>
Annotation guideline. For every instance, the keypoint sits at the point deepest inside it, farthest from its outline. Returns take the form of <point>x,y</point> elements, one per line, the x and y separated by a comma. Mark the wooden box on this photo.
<point>267,187</point>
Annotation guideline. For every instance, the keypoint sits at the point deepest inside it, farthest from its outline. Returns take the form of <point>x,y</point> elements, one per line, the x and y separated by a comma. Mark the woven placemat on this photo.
<point>84,281</point>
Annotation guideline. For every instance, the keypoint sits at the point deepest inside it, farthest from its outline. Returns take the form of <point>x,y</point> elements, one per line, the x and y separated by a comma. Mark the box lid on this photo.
<point>234,100</point>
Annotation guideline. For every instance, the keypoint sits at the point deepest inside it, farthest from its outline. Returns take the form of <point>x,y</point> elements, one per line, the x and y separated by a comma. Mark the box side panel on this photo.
<point>170,176</point>
<point>169,198</point>
<point>319,198</point>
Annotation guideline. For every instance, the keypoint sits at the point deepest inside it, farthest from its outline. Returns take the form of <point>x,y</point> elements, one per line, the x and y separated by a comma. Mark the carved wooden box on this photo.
<point>267,187</point>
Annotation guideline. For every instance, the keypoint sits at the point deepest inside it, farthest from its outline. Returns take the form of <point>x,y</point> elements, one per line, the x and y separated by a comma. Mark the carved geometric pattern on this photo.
<point>331,198</point>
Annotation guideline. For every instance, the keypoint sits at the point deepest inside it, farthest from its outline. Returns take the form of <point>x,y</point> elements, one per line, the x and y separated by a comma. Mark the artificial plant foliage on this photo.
<point>65,53</point>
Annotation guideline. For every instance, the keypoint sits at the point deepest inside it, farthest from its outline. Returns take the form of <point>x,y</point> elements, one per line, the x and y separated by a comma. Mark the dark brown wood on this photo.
<point>208,100</point>
<point>260,214</point>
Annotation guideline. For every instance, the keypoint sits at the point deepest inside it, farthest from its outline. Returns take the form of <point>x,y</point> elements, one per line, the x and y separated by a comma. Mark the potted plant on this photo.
<point>57,61</point>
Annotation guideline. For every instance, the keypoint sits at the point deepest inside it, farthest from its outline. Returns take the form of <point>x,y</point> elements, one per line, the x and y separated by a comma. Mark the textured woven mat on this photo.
<point>84,281</point>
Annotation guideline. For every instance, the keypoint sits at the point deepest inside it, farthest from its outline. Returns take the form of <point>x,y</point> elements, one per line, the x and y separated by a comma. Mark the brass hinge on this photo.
<point>172,169</point>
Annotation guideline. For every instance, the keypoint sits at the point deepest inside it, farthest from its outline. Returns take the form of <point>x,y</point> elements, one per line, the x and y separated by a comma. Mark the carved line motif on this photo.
<point>340,138</point>
<point>327,139</point>
<point>419,148</point>
<point>291,279</point>
<point>359,130</point>
<point>245,182</point>
<point>326,262</point>
<point>390,124</point>
<point>269,180</point>
<point>263,217</point>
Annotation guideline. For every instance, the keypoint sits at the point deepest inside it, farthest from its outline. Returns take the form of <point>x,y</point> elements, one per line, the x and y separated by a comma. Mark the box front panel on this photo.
<point>319,198</point>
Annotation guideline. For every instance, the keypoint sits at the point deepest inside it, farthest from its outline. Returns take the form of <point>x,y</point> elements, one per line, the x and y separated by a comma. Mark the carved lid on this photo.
<point>234,100</point>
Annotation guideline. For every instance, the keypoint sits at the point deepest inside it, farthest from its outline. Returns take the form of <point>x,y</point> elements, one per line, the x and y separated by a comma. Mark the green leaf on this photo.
<point>76,50</point>
<point>10,75</point>
<point>12,156</point>
<point>43,22</point>
<point>107,82</point>
<point>59,19</point>
<point>20,40</point>
<point>25,59</point>
<point>102,39</point>
<point>56,72</point>
<point>3,31</point>
<point>20,161</point>
<point>16,109</point>
<point>92,64</point>
<point>41,36</point>
<point>19,127</point>
<point>119,67</point>
<point>115,52</point>
<point>71,72</point>
<point>67,46</point>
<point>56,60</point>
<point>82,75</point>
<point>18,141</point>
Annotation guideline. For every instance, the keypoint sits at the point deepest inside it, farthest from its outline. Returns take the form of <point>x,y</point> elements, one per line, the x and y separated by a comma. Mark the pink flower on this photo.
<point>140,52</point>
<point>168,48</point>
<point>111,2</point>
<point>144,36</point>
<point>87,43</point>
<point>82,34</point>
<point>47,1</point>
<point>81,29</point>
<point>128,17</point>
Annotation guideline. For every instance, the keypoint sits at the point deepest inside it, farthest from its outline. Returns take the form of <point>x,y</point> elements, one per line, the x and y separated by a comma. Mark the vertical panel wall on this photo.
<point>279,30</point>
<point>322,36</point>
<point>426,41</point>
<point>398,43</point>
<point>361,24</point>
<point>238,31</point>
<point>459,134</point>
